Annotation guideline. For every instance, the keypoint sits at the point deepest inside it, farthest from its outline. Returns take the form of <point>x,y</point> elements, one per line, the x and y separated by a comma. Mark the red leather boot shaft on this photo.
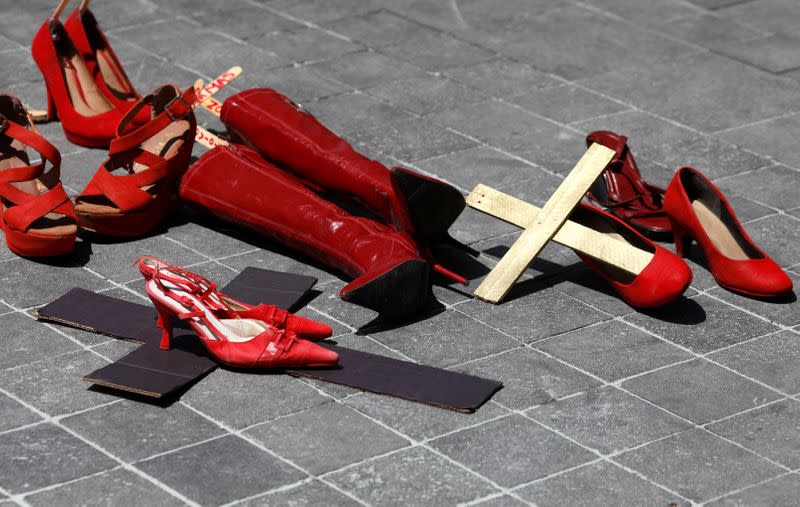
<point>292,138</point>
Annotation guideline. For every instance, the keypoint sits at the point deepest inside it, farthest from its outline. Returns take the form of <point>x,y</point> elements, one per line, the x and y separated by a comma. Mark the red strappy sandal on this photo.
<point>136,187</point>
<point>36,214</point>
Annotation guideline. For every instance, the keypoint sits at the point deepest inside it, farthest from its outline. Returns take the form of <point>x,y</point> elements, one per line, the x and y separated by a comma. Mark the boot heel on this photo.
<point>164,322</point>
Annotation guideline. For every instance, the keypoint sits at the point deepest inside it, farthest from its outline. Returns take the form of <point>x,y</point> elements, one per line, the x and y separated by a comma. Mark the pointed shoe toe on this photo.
<point>307,328</point>
<point>760,278</point>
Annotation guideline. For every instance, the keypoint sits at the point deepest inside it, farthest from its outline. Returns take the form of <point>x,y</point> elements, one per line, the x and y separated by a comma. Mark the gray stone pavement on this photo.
<point>694,404</point>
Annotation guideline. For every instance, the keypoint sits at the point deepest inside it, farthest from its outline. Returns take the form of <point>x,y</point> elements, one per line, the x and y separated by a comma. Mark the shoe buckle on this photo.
<point>177,116</point>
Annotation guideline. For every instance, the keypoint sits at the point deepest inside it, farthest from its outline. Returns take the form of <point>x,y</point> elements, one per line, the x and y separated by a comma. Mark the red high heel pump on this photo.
<point>661,282</point>
<point>227,307</point>
<point>87,117</point>
<point>36,215</point>
<point>136,187</point>
<point>698,211</point>
<point>102,61</point>
<point>237,342</point>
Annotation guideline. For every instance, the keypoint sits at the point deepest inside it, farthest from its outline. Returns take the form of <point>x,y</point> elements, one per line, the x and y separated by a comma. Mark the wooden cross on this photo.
<point>551,223</point>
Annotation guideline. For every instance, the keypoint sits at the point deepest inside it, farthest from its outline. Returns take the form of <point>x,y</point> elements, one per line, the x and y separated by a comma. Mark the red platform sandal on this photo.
<point>226,307</point>
<point>136,187</point>
<point>102,61</point>
<point>87,117</point>
<point>698,211</point>
<point>37,216</point>
<point>237,342</point>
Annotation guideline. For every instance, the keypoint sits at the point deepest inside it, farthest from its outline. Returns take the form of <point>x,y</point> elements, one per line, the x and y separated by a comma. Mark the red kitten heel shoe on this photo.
<point>698,211</point>
<point>622,190</point>
<point>237,342</point>
<point>136,187</point>
<point>36,215</point>
<point>87,117</point>
<point>227,307</point>
<point>661,282</point>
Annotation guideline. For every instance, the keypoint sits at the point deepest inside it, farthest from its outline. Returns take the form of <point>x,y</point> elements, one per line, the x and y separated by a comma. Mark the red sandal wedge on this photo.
<point>136,187</point>
<point>36,215</point>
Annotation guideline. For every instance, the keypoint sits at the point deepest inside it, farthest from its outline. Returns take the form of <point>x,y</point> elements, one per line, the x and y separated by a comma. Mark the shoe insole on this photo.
<point>86,98</point>
<point>51,224</point>
<point>113,76</point>
<point>164,144</point>
<point>720,234</point>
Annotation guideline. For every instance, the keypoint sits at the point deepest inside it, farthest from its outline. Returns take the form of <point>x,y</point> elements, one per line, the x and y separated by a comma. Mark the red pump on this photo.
<point>698,211</point>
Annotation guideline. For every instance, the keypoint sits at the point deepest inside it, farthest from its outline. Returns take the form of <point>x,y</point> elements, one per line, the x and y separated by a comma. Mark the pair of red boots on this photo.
<point>268,180</point>
<point>691,209</point>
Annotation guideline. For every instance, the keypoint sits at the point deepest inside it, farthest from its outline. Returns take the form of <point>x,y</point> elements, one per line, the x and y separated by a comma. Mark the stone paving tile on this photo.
<point>245,21</point>
<point>782,491</point>
<point>276,258</point>
<point>646,12</point>
<point>776,53</point>
<point>436,51</point>
<point>445,339</point>
<point>417,420</point>
<point>15,414</point>
<point>365,69</point>
<point>775,185</point>
<point>529,377</point>
<point>773,360</point>
<point>44,454</point>
<point>512,450</point>
<point>710,31</point>
<point>768,15</point>
<point>702,324</point>
<point>305,44</point>
<point>770,431</point>
<point>116,487</point>
<point>502,501</point>
<point>55,385</point>
<point>350,112</point>
<point>377,28</point>
<point>427,94</point>
<point>597,350</point>
<point>323,10</point>
<point>248,470</point>
<point>412,476</point>
<point>700,391</point>
<point>333,436</point>
<point>699,465</point>
<point>607,419</point>
<point>306,495</point>
<point>784,311</point>
<point>567,104</point>
<point>502,77</point>
<point>702,98</point>
<point>134,431</point>
<point>240,399</point>
<point>302,84</point>
<point>597,484</point>
<point>25,283</point>
<point>779,236</point>
<point>25,341</point>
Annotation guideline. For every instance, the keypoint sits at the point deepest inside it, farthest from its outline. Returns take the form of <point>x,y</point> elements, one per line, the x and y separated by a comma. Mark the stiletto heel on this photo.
<point>52,114</point>
<point>698,211</point>
<point>164,322</point>
<point>238,342</point>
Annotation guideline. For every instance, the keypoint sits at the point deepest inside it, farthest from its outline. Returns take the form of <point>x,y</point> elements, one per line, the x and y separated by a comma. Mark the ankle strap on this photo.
<point>130,137</point>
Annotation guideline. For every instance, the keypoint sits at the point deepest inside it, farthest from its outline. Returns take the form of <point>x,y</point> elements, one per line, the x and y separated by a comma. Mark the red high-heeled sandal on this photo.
<point>661,282</point>
<point>136,187</point>
<point>102,62</point>
<point>87,117</point>
<point>237,342</point>
<point>225,306</point>
<point>698,211</point>
<point>36,215</point>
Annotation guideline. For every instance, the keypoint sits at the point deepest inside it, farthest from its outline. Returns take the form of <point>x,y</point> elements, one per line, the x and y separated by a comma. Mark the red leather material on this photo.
<point>629,197</point>
<point>91,131</point>
<point>237,184</point>
<point>758,276</point>
<point>661,282</point>
<point>276,127</point>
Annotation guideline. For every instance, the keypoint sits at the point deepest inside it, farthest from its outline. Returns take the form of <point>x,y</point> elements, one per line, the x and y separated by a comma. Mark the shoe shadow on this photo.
<point>380,323</point>
<point>77,258</point>
<point>684,311</point>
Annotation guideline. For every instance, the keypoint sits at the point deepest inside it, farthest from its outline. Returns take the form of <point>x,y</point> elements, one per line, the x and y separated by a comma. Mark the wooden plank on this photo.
<point>602,247</point>
<point>204,95</point>
<point>547,222</point>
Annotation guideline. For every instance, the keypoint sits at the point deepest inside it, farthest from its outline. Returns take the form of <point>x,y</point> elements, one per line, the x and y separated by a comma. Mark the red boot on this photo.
<point>292,138</point>
<point>235,183</point>
<point>661,282</point>
<point>87,117</point>
<point>698,211</point>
